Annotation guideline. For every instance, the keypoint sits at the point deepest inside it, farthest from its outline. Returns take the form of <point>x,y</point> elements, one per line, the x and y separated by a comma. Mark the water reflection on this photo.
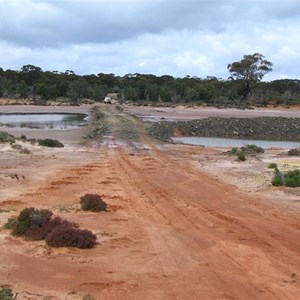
<point>226,142</point>
<point>43,121</point>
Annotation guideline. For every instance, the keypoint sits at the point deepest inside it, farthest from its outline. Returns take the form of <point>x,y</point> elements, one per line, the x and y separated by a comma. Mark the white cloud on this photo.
<point>197,38</point>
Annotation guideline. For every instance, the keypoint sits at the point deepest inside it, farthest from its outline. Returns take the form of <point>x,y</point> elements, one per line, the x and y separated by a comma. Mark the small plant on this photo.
<point>50,143</point>
<point>241,156</point>
<point>68,236</point>
<point>6,294</point>
<point>289,179</point>
<point>11,223</point>
<point>23,137</point>
<point>253,149</point>
<point>272,166</point>
<point>92,202</point>
<point>31,222</point>
<point>35,224</point>
<point>88,297</point>
<point>278,179</point>
<point>233,151</point>
<point>294,152</point>
<point>292,178</point>
<point>6,138</point>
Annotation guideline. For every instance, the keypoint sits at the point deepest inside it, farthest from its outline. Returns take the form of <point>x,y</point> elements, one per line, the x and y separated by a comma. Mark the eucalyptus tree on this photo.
<point>250,70</point>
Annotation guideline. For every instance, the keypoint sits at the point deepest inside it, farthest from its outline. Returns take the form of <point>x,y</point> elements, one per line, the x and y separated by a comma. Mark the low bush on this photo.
<point>278,179</point>
<point>6,138</point>
<point>6,294</point>
<point>292,178</point>
<point>241,156</point>
<point>50,143</point>
<point>31,222</point>
<point>92,202</point>
<point>68,236</point>
<point>11,223</point>
<point>294,152</point>
<point>272,166</point>
<point>35,224</point>
<point>233,151</point>
<point>253,149</point>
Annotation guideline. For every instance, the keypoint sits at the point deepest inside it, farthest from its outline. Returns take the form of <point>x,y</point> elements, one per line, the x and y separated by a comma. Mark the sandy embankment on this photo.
<point>182,114</point>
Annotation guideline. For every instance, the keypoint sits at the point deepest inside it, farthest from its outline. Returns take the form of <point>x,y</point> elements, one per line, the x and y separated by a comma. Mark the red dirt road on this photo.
<point>171,232</point>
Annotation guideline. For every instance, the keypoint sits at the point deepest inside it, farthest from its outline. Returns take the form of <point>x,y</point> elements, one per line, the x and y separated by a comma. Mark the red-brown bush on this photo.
<point>68,236</point>
<point>92,202</point>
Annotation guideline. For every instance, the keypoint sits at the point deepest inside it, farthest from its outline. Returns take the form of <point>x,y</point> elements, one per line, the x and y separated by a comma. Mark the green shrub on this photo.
<point>30,223</point>
<point>6,138</point>
<point>241,156</point>
<point>92,202</point>
<point>6,294</point>
<point>68,236</point>
<point>292,178</point>
<point>23,137</point>
<point>253,149</point>
<point>272,166</point>
<point>278,179</point>
<point>11,223</point>
<point>294,152</point>
<point>50,143</point>
<point>35,224</point>
<point>233,151</point>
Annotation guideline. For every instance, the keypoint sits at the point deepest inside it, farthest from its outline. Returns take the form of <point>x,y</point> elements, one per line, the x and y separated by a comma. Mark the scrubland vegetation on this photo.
<point>243,87</point>
<point>92,202</point>
<point>39,224</point>
<point>289,179</point>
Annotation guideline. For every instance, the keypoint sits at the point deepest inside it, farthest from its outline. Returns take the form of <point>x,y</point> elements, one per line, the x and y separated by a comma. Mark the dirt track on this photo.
<point>173,231</point>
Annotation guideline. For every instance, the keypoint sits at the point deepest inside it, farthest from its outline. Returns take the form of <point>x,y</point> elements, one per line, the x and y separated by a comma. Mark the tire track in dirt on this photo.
<point>242,232</point>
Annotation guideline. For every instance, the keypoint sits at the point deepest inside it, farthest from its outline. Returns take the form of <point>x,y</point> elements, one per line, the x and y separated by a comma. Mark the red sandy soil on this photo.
<point>174,230</point>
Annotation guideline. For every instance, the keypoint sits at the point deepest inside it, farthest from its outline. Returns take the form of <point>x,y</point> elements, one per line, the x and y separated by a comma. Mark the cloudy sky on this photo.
<point>174,37</point>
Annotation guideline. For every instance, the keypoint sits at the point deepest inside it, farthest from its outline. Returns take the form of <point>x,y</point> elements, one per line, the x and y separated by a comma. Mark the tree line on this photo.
<point>242,87</point>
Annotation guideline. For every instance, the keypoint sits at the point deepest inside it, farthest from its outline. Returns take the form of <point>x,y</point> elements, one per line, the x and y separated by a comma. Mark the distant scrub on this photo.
<point>39,224</point>
<point>241,156</point>
<point>272,166</point>
<point>294,152</point>
<point>289,179</point>
<point>233,151</point>
<point>6,137</point>
<point>246,150</point>
<point>92,202</point>
<point>50,143</point>
<point>252,149</point>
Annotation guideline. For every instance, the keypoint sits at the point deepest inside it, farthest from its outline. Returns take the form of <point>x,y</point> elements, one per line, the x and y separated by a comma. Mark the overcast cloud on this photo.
<point>177,37</point>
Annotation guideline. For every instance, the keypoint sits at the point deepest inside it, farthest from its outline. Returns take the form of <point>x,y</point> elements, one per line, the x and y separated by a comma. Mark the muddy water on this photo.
<point>226,142</point>
<point>43,121</point>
